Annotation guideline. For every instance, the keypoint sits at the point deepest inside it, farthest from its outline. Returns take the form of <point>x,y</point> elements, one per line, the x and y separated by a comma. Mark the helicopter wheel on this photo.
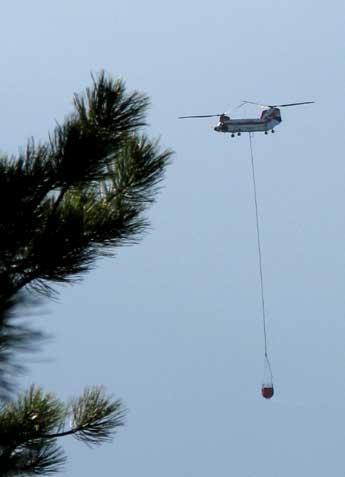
<point>266,132</point>
<point>239,133</point>
<point>232,135</point>
<point>273,131</point>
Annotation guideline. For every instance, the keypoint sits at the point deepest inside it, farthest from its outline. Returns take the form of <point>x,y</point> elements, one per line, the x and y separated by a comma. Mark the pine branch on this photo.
<point>94,418</point>
<point>96,149</point>
<point>31,427</point>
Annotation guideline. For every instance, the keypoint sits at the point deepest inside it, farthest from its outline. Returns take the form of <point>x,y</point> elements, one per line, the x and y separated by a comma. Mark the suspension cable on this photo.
<point>259,245</point>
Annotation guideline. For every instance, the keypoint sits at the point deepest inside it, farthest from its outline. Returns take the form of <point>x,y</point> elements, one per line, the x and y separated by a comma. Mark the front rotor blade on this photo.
<point>201,116</point>
<point>292,104</point>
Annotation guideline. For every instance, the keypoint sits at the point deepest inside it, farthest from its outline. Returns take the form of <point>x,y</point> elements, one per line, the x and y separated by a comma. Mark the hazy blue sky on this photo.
<point>173,325</point>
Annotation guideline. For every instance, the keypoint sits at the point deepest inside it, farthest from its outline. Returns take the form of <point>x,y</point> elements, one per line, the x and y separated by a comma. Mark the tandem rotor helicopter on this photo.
<point>269,119</point>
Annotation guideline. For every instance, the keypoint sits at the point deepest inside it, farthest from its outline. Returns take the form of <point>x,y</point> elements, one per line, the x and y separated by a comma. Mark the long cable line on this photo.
<point>259,247</point>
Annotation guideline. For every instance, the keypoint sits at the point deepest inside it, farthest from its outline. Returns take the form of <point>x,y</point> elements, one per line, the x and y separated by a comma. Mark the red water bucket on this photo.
<point>267,391</point>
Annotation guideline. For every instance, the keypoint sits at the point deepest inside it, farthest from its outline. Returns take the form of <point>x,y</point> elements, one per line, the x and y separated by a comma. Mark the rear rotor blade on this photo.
<point>278,105</point>
<point>201,116</point>
<point>292,104</point>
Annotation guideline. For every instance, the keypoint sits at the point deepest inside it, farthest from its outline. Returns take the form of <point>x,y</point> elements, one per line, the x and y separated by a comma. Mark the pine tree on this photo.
<point>66,203</point>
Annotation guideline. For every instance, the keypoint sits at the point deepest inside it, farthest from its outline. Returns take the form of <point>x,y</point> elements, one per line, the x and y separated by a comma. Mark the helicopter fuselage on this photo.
<point>269,119</point>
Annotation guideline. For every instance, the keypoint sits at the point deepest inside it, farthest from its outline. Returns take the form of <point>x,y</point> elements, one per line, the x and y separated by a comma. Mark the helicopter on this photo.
<point>269,119</point>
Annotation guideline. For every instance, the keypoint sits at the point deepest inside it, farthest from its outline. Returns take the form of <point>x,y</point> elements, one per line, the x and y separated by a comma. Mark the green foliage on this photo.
<point>31,426</point>
<point>75,198</point>
<point>66,203</point>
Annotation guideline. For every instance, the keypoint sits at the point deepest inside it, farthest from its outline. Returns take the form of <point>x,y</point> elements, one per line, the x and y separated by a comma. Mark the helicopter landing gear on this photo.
<point>239,133</point>
<point>232,134</point>
<point>273,131</point>
<point>266,132</point>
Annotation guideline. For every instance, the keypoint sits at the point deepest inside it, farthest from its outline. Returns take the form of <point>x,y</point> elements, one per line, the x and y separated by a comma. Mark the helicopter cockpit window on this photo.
<point>223,118</point>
